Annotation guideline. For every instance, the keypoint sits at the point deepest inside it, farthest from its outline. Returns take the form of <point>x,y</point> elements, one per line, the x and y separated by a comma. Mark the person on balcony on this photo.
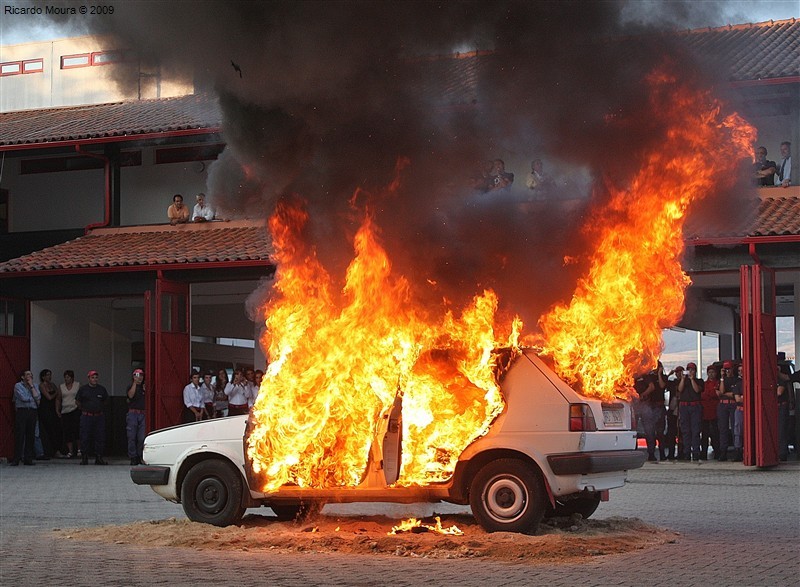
<point>763,169</point>
<point>177,213</point>
<point>202,212</point>
<point>783,171</point>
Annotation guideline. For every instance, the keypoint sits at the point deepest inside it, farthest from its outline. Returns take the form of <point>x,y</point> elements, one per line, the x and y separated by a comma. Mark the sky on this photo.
<point>672,14</point>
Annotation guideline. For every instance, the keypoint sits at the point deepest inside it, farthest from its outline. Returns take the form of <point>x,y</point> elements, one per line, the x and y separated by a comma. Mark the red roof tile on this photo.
<point>772,214</point>
<point>117,119</point>
<point>227,242</point>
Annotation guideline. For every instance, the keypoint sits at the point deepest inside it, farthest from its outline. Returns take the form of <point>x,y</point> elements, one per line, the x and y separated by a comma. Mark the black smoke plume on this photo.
<point>322,98</point>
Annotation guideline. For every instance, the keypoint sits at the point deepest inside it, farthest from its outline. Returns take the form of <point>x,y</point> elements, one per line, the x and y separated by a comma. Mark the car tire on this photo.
<point>212,493</point>
<point>296,511</point>
<point>508,495</point>
<point>585,506</point>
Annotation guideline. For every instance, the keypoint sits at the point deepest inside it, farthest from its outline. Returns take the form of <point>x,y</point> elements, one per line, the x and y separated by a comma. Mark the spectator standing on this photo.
<point>49,423</point>
<point>763,169</point>
<point>737,388</point>
<point>252,387</point>
<point>207,392</point>
<point>672,442</point>
<point>26,404</point>
<point>538,183</point>
<point>221,388</point>
<point>202,212</point>
<point>499,178</point>
<point>68,411</point>
<point>690,411</point>
<point>644,386</point>
<point>177,213</point>
<point>709,428</point>
<point>783,419</point>
<point>239,395</point>
<point>783,171</point>
<point>135,419</point>
<point>726,409</point>
<point>91,400</point>
<point>194,408</point>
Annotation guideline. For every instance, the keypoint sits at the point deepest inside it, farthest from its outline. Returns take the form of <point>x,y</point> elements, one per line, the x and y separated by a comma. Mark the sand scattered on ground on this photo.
<point>558,539</point>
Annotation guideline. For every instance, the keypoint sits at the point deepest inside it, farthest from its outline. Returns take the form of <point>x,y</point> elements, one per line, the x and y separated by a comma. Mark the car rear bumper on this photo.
<point>585,463</point>
<point>150,475</point>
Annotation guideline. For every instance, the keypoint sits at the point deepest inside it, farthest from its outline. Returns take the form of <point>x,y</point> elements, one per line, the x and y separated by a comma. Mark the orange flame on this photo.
<point>338,362</point>
<point>411,523</point>
<point>611,329</point>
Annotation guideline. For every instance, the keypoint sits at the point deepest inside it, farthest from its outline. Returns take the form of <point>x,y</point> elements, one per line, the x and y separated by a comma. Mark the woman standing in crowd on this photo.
<point>221,389</point>
<point>49,425</point>
<point>67,410</point>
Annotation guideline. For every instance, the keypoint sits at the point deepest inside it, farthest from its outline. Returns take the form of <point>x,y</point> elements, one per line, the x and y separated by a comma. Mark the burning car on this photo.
<point>550,451</point>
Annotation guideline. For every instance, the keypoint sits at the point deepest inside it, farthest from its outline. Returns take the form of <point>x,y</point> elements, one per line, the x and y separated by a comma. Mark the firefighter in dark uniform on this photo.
<point>91,400</point>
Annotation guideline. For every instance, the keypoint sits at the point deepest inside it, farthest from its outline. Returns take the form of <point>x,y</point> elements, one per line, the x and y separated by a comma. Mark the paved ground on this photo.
<point>739,526</point>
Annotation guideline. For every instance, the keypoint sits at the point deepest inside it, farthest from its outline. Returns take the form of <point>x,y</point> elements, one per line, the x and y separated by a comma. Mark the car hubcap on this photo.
<point>505,499</point>
<point>211,495</point>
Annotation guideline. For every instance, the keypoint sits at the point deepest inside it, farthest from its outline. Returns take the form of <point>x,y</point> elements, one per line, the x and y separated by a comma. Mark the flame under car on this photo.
<point>551,451</point>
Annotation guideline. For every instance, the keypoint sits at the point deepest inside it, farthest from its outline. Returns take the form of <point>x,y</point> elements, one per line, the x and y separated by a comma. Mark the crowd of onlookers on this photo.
<point>69,421</point>
<point>207,396</point>
<point>493,177</point>
<point>769,173</point>
<point>56,421</point>
<point>178,213</point>
<point>681,414</point>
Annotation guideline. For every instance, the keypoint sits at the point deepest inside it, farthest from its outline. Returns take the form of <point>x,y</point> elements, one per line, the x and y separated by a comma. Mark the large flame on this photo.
<point>611,329</point>
<point>339,361</point>
<point>342,360</point>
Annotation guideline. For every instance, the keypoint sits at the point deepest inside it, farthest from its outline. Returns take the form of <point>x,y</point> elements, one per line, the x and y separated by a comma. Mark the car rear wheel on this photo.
<point>296,511</point>
<point>585,506</point>
<point>212,493</point>
<point>507,495</point>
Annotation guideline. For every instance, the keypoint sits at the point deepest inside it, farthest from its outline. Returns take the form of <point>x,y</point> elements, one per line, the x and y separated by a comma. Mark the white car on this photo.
<point>550,452</point>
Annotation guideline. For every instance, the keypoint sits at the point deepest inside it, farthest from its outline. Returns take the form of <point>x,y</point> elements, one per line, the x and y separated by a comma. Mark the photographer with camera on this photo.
<point>690,410</point>
<point>134,421</point>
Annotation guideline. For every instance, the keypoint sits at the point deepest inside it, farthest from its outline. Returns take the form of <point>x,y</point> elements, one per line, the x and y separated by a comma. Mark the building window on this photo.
<point>185,154</point>
<point>106,57</point>
<point>18,67</point>
<point>33,66</point>
<point>94,58</point>
<point>58,164</point>
<point>11,68</point>
<point>13,318</point>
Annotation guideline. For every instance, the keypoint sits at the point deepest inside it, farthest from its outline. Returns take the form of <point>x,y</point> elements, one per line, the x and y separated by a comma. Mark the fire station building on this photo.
<point>93,277</point>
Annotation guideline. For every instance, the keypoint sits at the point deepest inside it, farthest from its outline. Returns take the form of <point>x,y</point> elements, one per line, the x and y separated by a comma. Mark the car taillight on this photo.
<point>581,418</point>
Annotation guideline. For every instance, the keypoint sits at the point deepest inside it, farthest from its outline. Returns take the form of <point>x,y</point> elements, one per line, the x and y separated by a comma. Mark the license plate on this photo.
<point>612,418</point>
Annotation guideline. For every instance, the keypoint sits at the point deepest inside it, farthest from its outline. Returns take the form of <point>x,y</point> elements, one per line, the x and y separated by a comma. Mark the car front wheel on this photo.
<point>212,493</point>
<point>507,495</point>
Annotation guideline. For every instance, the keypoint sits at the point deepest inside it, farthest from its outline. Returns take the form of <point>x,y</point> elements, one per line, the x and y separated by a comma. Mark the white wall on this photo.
<point>83,85</point>
<point>74,199</point>
<point>147,190</point>
<point>82,335</point>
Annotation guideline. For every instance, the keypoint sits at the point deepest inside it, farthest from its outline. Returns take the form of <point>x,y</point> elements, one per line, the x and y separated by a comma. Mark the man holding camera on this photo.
<point>134,421</point>
<point>690,411</point>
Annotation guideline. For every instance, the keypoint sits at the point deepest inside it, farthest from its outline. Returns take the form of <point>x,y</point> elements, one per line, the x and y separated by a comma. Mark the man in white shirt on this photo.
<point>783,171</point>
<point>201,212</point>
<point>193,400</point>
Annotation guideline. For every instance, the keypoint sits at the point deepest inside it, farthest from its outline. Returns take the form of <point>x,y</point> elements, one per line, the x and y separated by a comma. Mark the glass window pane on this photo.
<point>9,68</point>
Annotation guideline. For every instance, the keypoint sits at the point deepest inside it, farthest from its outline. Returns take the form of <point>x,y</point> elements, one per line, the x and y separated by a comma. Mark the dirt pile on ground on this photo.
<point>558,539</point>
